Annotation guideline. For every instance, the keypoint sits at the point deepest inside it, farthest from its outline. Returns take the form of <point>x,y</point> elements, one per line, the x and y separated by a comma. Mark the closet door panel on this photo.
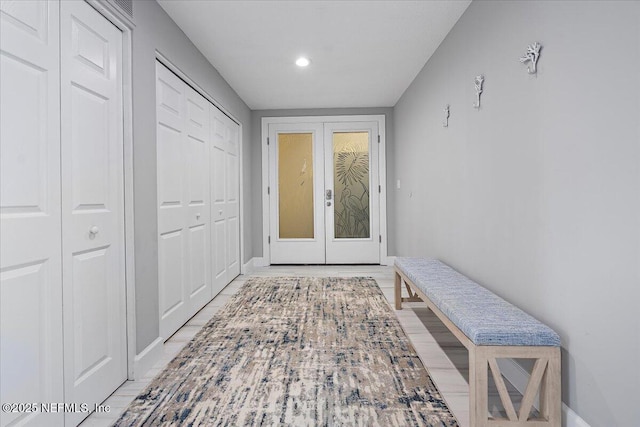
<point>171,197</point>
<point>173,309</point>
<point>233,200</point>
<point>30,256</point>
<point>183,200</point>
<point>173,202</point>
<point>92,206</point>
<point>197,221</point>
<point>199,291</point>
<point>219,235</point>
<point>219,241</point>
<point>90,287</point>
<point>225,198</point>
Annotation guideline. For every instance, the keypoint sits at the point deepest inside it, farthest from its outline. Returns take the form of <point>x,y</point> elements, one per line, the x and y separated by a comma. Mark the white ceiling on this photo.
<point>363,53</point>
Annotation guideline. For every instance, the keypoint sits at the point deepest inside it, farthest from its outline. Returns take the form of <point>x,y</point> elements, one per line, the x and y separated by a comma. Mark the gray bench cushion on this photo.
<point>485,318</point>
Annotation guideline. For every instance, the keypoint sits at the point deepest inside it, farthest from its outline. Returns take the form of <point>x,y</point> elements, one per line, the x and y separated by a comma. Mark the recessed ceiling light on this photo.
<point>302,61</point>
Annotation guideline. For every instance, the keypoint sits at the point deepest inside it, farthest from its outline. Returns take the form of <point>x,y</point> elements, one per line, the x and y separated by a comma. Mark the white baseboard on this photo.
<point>254,263</point>
<point>519,377</point>
<point>571,419</point>
<point>260,262</point>
<point>390,260</point>
<point>147,358</point>
<point>248,267</point>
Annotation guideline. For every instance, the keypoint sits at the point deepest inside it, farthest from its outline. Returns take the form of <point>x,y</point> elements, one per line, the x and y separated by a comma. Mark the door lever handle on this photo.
<point>328,194</point>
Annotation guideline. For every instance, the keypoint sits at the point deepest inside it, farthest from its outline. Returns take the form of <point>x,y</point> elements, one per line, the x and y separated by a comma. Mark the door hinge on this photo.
<point>378,139</point>
<point>269,240</point>
<point>268,190</point>
<point>267,140</point>
<point>380,240</point>
<point>379,188</point>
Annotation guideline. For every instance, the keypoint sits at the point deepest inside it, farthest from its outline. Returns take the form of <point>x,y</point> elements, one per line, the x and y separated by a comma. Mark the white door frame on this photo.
<point>382,161</point>
<point>125,25</point>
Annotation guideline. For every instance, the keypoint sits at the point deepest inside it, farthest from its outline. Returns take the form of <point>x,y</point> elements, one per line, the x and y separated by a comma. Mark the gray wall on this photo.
<point>156,31</point>
<point>537,194</point>
<point>256,162</point>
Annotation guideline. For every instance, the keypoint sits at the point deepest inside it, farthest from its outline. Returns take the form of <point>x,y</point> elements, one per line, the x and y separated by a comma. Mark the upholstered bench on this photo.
<point>490,328</point>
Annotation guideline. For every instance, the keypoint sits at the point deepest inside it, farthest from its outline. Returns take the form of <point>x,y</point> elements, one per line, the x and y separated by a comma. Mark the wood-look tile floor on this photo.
<point>442,354</point>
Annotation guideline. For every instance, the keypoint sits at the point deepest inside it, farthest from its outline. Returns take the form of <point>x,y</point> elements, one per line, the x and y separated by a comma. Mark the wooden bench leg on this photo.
<point>550,390</point>
<point>399,299</point>
<point>545,378</point>
<point>398,292</point>
<point>478,387</point>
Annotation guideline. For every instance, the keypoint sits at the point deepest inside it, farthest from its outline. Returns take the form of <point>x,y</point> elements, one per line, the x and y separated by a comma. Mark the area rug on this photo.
<point>296,352</point>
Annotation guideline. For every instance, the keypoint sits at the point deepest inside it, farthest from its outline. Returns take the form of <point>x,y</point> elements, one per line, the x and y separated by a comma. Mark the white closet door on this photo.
<point>218,201</point>
<point>233,199</point>
<point>30,258</point>
<point>183,200</point>
<point>92,206</point>
<point>198,212</point>
<point>171,112</point>
<point>225,230</point>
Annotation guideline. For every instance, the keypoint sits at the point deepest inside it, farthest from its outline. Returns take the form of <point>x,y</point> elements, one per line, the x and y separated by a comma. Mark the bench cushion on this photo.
<point>485,318</point>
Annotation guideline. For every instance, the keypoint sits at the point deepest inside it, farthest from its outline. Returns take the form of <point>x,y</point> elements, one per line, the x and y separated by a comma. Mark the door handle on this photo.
<point>328,194</point>
<point>94,230</point>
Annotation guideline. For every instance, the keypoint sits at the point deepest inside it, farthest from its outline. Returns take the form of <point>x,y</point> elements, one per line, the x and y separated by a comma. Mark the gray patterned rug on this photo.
<point>296,352</point>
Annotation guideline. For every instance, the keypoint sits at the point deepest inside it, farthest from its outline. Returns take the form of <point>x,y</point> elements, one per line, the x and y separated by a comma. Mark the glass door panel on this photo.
<point>352,196</point>
<point>295,185</point>
<point>351,185</point>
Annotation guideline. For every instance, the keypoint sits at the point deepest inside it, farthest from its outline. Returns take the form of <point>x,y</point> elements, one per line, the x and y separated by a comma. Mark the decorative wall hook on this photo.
<point>532,55</point>
<point>478,82</point>
<point>445,123</point>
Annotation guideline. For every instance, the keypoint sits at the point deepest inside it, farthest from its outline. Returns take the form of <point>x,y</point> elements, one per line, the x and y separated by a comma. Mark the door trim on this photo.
<point>382,161</point>
<point>112,15</point>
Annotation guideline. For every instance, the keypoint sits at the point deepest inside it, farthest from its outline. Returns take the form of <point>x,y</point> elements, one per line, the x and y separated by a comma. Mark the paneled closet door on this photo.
<point>93,257</point>
<point>198,211</point>
<point>233,199</point>
<point>30,257</point>
<point>171,111</point>
<point>225,207</point>
<point>183,201</point>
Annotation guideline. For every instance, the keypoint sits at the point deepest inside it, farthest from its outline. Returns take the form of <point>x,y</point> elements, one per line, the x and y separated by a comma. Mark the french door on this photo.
<point>324,193</point>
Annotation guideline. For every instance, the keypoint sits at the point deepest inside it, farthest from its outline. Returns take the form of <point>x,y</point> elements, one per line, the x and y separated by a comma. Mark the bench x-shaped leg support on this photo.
<point>399,299</point>
<point>545,379</point>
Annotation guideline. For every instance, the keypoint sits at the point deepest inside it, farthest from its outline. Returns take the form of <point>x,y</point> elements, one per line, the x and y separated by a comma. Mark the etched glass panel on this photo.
<point>295,185</point>
<point>351,185</point>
